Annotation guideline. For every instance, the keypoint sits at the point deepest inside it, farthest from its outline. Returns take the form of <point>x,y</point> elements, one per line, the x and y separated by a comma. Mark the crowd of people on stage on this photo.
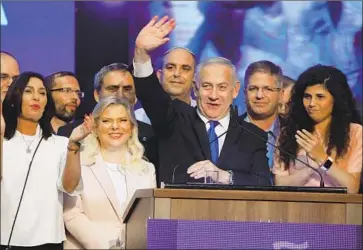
<point>65,183</point>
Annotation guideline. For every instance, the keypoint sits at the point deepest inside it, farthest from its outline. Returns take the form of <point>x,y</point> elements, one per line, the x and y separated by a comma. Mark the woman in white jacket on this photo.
<point>112,169</point>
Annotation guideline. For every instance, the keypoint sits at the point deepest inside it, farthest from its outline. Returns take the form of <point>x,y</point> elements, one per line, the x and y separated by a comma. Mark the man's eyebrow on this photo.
<point>113,85</point>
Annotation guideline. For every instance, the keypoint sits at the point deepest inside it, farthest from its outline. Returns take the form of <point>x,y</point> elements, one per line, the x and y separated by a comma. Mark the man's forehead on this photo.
<point>118,78</point>
<point>262,78</point>
<point>66,80</point>
<point>8,64</point>
<point>179,56</point>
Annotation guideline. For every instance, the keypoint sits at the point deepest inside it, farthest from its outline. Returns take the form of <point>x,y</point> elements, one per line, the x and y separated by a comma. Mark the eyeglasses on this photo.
<point>69,91</point>
<point>7,77</point>
<point>265,90</point>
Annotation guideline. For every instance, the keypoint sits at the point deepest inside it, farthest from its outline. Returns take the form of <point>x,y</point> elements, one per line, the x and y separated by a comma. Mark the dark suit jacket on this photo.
<point>146,137</point>
<point>183,140</point>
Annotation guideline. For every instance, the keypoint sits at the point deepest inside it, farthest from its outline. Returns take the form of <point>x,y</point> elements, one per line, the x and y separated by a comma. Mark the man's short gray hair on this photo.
<point>264,66</point>
<point>100,75</point>
<point>219,61</point>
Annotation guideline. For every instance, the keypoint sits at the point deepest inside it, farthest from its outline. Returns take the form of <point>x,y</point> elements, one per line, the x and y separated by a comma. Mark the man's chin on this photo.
<point>66,119</point>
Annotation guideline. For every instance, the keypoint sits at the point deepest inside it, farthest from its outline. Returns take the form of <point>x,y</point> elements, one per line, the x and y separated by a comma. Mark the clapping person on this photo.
<point>112,169</point>
<point>324,130</point>
<point>38,167</point>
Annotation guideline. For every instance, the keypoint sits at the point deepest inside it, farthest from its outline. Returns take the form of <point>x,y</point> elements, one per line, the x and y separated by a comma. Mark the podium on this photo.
<point>236,205</point>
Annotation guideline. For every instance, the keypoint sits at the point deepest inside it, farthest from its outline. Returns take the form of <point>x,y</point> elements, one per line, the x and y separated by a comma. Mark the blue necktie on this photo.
<point>213,141</point>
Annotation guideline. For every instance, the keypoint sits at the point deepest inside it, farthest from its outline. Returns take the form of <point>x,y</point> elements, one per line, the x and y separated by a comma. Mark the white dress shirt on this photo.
<point>40,218</point>
<point>221,128</point>
<point>118,179</point>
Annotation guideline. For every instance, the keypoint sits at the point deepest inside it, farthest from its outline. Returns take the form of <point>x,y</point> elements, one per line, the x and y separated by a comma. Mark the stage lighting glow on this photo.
<point>113,3</point>
<point>3,19</point>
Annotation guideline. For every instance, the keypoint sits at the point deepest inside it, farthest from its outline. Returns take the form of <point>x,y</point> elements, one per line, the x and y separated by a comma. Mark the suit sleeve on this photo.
<point>156,103</point>
<point>64,131</point>
<point>86,232</point>
<point>260,174</point>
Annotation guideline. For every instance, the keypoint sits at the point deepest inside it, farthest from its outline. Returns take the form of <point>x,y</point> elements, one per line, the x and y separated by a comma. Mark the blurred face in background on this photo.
<point>67,97</point>
<point>117,83</point>
<point>284,101</point>
<point>9,69</point>
<point>177,73</point>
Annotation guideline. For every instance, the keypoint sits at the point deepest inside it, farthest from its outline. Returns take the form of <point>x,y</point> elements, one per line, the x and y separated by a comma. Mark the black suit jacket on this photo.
<point>146,137</point>
<point>183,140</point>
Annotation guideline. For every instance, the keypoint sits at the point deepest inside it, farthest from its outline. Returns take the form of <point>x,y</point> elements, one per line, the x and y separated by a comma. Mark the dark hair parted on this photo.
<point>12,106</point>
<point>50,79</point>
<point>344,111</point>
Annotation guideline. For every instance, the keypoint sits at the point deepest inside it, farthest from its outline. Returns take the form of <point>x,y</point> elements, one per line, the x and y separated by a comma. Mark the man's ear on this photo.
<point>158,74</point>
<point>236,88</point>
<point>195,88</point>
<point>96,95</point>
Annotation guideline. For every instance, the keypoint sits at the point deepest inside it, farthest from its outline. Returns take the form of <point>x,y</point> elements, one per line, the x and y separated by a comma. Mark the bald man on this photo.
<point>9,68</point>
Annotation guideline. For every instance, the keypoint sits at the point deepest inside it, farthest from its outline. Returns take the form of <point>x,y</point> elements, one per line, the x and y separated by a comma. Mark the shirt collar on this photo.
<point>224,122</point>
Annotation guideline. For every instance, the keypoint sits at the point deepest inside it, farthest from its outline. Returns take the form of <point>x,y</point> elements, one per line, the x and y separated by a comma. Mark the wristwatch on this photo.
<point>327,164</point>
<point>231,177</point>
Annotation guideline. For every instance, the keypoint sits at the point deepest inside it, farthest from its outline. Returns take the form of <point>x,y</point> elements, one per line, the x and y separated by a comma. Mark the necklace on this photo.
<point>27,143</point>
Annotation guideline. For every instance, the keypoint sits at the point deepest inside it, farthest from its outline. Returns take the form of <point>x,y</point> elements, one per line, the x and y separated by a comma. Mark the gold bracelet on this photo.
<point>75,150</point>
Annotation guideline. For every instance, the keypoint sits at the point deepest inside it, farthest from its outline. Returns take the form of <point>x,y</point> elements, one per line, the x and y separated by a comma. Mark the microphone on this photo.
<point>277,147</point>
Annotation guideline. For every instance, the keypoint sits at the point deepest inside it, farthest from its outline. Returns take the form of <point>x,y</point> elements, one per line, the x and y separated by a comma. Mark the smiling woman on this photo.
<point>112,169</point>
<point>327,129</point>
<point>34,156</point>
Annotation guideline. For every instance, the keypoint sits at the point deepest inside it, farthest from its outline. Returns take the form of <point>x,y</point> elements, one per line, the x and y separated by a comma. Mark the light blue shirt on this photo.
<point>272,133</point>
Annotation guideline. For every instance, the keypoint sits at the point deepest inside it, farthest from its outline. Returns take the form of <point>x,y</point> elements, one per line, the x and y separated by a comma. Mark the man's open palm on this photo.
<point>154,33</point>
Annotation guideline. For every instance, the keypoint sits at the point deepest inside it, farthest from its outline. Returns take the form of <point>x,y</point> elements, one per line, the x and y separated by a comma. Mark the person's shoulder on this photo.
<point>149,166</point>
<point>144,128</point>
<point>67,129</point>
<point>250,126</point>
<point>356,130</point>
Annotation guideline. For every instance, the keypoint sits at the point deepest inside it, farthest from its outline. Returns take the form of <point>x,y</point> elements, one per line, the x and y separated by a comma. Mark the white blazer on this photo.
<point>93,219</point>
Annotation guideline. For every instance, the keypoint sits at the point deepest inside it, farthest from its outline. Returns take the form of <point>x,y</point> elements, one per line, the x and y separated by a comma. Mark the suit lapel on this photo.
<point>202,136</point>
<point>100,173</point>
<point>232,137</point>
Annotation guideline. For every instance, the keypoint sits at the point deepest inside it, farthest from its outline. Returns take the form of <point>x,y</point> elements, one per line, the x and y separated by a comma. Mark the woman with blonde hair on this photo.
<point>113,168</point>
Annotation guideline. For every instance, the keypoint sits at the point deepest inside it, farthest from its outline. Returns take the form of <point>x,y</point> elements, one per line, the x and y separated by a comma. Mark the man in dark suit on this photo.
<point>194,143</point>
<point>116,80</point>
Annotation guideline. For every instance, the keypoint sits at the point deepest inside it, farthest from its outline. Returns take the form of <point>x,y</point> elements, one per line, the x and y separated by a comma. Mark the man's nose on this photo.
<point>176,72</point>
<point>260,93</point>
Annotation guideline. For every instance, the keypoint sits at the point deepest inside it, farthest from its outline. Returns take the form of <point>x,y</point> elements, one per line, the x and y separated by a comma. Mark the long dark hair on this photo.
<point>344,111</point>
<point>13,103</point>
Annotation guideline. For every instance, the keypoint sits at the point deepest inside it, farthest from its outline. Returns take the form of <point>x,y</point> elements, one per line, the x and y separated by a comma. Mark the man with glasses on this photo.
<point>66,95</point>
<point>262,92</point>
<point>9,68</point>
